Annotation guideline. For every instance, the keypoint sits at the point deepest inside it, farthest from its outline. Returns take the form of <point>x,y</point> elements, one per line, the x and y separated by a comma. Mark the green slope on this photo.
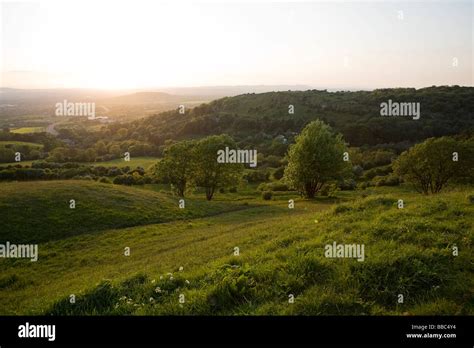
<point>253,118</point>
<point>407,251</point>
<point>40,211</point>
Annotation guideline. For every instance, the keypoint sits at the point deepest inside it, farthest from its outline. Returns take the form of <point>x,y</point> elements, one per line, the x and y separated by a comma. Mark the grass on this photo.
<point>22,163</point>
<point>25,130</point>
<point>144,162</point>
<point>408,251</point>
<point>134,162</point>
<point>40,211</point>
<point>18,144</point>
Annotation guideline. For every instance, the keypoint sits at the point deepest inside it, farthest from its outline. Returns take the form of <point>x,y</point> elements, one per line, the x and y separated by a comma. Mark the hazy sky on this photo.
<point>144,44</point>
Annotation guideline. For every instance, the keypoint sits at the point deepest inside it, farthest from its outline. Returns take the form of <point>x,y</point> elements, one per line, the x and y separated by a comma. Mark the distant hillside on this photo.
<point>228,91</point>
<point>142,98</point>
<point>253,118</point>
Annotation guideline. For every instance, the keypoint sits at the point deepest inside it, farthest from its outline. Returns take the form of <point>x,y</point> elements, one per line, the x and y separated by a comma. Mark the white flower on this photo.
<point>181,269</point>
<point>157,289</point>
<point>153,281</point>
<point>171,278</point>
<point>161,277</point>
<point>152,300</point>
<point>187,281</point>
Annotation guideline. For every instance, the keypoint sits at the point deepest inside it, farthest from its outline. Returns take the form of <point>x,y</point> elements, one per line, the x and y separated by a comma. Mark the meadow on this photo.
<point>139,161</point>
<point>25,130</point>
<point>184,261</point>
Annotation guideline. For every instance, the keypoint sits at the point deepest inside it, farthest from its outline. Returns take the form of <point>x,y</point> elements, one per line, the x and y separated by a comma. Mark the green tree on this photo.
<point>6,155</point>
<point>176,166</point>
<point>316,158</point>
<point>430,165</point>
<point>100,148</point>
<point>209,173</point>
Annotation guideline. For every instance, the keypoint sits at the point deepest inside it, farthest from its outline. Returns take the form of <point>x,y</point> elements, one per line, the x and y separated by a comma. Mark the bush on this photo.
<point>267,195</point>
<point>347,185</point>
<point>273,186</point>
<point>328,189</point>
<point>389,180</point>
<point>378,171</point>
<point>256,175</point>
<point>278,174</point>
<point>123,180</point>
<point>470,199</point>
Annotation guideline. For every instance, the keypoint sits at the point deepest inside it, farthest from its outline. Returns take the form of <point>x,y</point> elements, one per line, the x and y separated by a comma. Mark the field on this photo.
<point>408,251</point>
<point>134,162</point>
<point>25,130</point>
<point>18,144</point>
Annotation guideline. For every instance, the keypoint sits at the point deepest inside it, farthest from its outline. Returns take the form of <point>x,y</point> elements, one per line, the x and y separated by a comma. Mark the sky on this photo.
<point>151,44</point>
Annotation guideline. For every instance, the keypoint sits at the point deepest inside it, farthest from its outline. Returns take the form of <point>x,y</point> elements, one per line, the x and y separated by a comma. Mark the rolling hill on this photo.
<point>40,212</point>
<point>281,252</point>
<point>256,118</point>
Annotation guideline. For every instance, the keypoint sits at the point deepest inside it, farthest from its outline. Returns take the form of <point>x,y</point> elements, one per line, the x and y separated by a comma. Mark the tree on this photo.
<point>211,174</point>
<point>100,148</point>
<point>115,150</point>
<point>176,166</point>
<point>316,158</point>
<point>430,165</point>
<point>6,155</point>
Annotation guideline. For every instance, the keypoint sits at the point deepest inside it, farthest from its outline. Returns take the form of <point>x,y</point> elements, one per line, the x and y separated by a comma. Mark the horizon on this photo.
<point>48,44</point>
<point>162,89</point>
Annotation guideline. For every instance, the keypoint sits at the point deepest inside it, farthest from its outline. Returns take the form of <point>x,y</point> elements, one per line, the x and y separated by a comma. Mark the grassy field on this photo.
<point>407,251</point>
<point>18,144</point>
<point>134,162</point>
<point>40,211</point>
<point>144,162</point>
<point>25,130</point>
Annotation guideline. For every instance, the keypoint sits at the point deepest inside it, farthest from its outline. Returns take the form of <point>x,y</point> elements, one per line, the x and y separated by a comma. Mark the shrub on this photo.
<point>273,186</point>
<point>257,175</point>
<point>389,180</point>
<point>278,174</point>
<point>104,180</point>
<point>347,185</point>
